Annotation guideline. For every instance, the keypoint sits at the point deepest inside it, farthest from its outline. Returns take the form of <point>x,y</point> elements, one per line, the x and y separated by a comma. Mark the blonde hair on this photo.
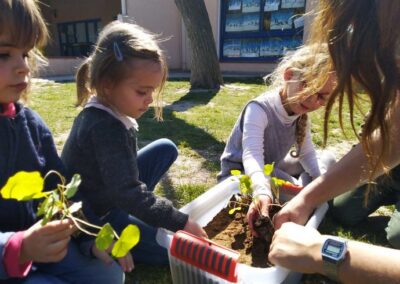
<point>306,62</point>
<point>118,45</point>
<point>22,25</point>
<point>363,38</point>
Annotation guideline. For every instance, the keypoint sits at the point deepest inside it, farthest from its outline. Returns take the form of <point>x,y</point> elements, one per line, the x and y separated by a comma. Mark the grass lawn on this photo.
<point>199,123</point>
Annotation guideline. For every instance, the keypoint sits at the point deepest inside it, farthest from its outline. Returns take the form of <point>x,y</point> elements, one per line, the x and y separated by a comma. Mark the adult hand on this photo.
<point>260,205</point>
<point>296,210</point>
<point>126,262</point>
<point>297,248</point>
<point>46,243</point>
<point>194,228</point>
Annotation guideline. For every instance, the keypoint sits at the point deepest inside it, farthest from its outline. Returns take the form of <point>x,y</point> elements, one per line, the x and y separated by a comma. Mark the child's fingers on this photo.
<point>57,226</point>
<point>126,262</point>
<point>55,236</point>
<point>57,250</point>
<point>103,256</point>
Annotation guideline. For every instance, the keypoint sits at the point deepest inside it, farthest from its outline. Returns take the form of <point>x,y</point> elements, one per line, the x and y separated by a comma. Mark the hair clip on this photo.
<point>117,52</point>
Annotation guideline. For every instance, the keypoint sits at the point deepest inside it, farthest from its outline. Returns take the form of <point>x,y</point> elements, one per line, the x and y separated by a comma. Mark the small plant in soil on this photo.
<point>56,205</point>
<point>263,224</point>
<point>231,229</point>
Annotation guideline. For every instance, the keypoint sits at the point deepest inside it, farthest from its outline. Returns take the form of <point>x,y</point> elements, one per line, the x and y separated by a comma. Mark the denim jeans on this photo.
<point>350,208</point>
<point>154,161</point>
<point>73,268</point>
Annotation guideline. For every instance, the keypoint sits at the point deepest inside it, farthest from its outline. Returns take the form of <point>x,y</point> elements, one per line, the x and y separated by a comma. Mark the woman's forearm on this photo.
<point>367,263</point>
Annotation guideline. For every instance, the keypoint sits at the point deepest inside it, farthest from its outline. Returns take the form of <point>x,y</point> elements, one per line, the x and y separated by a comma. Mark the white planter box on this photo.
<point>202,210</point>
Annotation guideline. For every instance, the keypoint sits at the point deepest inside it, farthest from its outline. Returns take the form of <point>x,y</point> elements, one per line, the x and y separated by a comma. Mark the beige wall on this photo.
<point>60,66</point>
<point>161,17</point>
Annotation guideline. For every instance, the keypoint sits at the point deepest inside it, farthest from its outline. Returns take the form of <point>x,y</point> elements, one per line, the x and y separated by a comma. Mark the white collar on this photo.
<point>276,103</point>
<point>127,121</point>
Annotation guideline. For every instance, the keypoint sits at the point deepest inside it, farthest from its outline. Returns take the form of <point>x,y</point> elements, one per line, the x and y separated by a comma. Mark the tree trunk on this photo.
<point>205,71</point>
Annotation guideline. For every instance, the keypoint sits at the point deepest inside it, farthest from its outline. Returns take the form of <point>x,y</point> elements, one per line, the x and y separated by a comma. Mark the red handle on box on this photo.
<point>205,254</point>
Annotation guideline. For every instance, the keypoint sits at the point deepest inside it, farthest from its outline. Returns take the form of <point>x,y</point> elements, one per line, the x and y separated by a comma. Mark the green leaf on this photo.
<point>129,238</point>
<point>72,187</point>
<point>44,207</point>
<point>245,184</point>
<point>268,169</point>
<point>105,237</point>
<point>24,186</point>
<point>233,210</point>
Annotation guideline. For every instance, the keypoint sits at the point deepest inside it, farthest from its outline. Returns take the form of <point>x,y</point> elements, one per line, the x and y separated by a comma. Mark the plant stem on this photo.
<point>89,225</point>
<point>80,227</point>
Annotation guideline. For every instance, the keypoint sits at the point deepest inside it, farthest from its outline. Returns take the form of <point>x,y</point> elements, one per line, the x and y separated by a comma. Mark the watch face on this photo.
<point>334,249</point>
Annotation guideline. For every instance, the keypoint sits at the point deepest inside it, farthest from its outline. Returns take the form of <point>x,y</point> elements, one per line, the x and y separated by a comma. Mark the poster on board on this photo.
<point>235,5</point>
<point>250,22</point>
<point>233,23</point>
<point>249,6</point>
<point>293,4</point>
<point>271,5</point>
<point>281,20</point>
<point>250,48</point>
<point>232,48</point>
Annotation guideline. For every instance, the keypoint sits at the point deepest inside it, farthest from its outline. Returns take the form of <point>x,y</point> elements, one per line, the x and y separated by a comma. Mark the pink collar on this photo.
<point>8,110</point>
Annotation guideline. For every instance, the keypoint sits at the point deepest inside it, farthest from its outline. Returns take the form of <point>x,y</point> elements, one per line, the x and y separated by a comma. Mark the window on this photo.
<point>260,30</point>
<point>78,38</point>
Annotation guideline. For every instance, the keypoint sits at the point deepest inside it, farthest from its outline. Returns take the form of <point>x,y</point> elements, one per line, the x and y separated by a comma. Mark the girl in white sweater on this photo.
<point>274,127</point>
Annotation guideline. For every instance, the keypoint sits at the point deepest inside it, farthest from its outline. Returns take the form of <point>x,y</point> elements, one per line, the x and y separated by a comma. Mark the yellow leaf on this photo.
<point>268,169</point>
<point>24,186</point>
<point>235,172</point>
<point>234,209</point>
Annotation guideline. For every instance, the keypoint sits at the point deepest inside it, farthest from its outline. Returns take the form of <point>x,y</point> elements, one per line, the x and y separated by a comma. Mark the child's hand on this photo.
<point>46,243</point>
<point>193,228</point>
<point>126,262</point>
<point>258,206</point>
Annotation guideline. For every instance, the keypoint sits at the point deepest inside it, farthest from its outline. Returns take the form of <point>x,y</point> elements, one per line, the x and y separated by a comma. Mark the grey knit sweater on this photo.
<point>278,138</point>
<point>104,153</point>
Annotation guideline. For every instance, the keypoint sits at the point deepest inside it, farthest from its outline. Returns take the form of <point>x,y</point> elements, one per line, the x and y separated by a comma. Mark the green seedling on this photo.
<point>56,205</point>
<point>246,190</point>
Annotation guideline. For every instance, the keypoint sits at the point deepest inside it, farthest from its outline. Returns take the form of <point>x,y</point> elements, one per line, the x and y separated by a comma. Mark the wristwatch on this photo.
<point>333,251</point>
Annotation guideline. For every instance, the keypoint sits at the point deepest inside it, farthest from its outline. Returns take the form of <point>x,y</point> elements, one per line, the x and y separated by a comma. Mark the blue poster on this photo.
<point>271,47</point>
<point>271,5</point>
<point>233,23</point>
<point>250,22</point>
<point>234,5</point>
<point>232,48</point>
<point>293,3</point>
<point>249,6</point>
<point>281,20</point>
<point>250,48</point>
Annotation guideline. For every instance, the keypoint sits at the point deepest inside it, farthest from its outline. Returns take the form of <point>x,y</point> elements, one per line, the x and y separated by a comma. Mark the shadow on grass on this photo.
<point>167,189</point>
<point>191,99</point>
<point>179,131</point>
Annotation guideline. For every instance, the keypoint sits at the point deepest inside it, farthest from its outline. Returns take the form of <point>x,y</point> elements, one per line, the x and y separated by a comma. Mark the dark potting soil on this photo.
<point>232,231</point>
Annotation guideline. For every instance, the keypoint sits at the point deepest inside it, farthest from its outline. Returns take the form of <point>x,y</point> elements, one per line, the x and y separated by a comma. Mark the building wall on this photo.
<point>165,19</point>
<point>62,11</point>
<point>161,17</point>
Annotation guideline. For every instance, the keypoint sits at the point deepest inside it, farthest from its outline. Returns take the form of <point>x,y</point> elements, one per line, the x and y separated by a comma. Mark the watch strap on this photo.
<point>330,268</point>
